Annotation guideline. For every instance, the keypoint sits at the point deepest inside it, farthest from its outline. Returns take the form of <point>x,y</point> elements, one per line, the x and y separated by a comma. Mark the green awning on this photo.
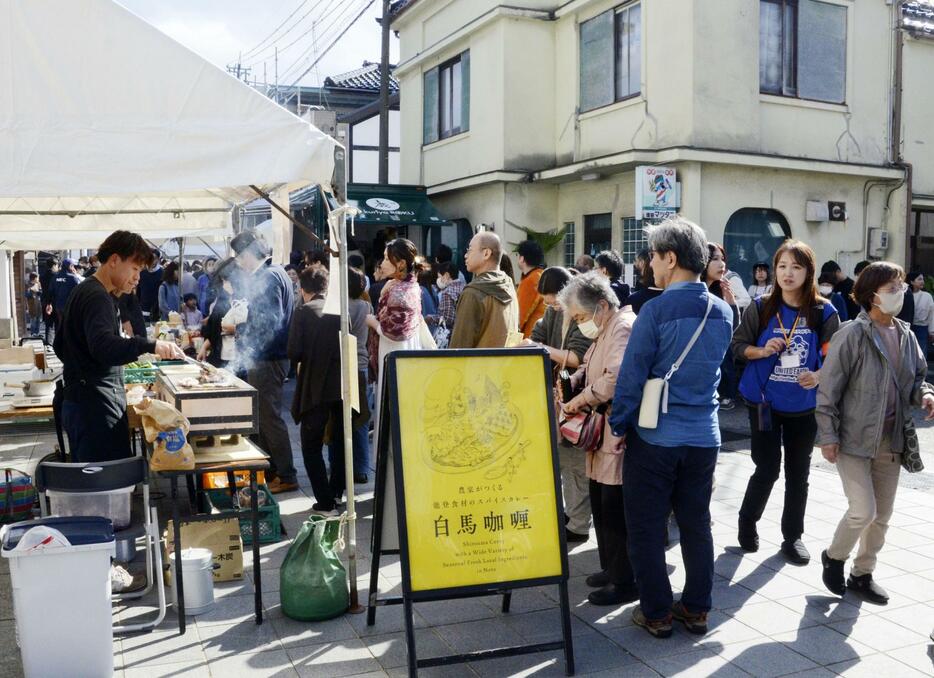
<point>393,205</point>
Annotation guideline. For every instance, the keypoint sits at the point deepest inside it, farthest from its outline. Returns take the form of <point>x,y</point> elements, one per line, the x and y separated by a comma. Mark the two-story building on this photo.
<point>777,116</point>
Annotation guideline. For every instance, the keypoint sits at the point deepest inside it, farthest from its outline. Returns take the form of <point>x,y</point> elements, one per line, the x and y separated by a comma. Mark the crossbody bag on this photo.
<point>655,391</point>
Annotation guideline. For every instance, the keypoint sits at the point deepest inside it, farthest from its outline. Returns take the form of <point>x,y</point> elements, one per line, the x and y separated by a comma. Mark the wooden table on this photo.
<point>216,467</point>
<point>22,415</point>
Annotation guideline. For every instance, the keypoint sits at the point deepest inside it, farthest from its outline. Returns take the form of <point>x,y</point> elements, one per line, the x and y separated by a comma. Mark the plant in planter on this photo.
<point>547,239</point>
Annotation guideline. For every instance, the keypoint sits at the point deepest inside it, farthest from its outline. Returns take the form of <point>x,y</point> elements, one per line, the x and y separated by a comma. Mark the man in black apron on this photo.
<point>89,343</point>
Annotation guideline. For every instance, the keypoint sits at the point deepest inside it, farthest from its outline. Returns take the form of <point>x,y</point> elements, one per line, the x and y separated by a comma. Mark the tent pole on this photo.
<point>181,270</point>
<point>205,243</point>
<point>288,215</point>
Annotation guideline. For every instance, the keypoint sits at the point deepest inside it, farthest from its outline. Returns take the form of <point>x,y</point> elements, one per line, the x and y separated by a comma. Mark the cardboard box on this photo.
<point>222,536</point>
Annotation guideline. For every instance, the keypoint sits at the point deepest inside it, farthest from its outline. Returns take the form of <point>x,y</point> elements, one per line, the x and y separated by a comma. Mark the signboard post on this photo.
<point>470,453</point>
<point>656,192</point>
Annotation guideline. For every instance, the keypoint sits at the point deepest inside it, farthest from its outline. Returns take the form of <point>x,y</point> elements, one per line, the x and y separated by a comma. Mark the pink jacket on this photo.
<point>599,371</point>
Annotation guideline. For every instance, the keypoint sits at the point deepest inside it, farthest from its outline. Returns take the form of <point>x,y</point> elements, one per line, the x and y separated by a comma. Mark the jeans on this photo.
<point>654,479</point>
<point>328,491</point>
<point>870,486</point>
<point>267,377</point>
<point>921,332</point>
<point>727,385</point>
<point>797,434</point>
<point>609,519</point>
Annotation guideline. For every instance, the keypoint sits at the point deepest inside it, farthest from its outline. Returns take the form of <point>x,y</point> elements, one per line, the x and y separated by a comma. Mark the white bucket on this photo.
<point>198,569</point>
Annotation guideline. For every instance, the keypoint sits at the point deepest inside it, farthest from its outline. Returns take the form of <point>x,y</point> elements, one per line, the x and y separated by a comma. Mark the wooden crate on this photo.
<point>210,411</point>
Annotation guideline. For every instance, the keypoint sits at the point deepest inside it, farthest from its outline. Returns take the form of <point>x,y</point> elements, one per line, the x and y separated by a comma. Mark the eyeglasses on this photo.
<point>895,288</point>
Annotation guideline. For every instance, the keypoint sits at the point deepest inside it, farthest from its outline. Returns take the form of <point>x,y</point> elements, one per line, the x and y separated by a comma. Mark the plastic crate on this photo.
<point>217,481</point>
<point>270,527</point>
<point>146,375</point>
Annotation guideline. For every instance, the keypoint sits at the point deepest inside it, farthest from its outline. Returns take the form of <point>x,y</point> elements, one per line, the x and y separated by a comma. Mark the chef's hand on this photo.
<point>169,350</point>
<point>927,404</point>
<point>228,329</point>
<point>808,380</point>
<point>773,346</point>
<point>830,452</point>
<point>203,352</point>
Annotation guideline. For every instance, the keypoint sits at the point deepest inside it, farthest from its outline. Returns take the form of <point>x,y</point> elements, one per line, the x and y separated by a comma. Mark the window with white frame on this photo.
<point>611,56</point>
<point>446,99</point>
<point>633,239</point>
<point>570,243</point>
<point>802,49</point>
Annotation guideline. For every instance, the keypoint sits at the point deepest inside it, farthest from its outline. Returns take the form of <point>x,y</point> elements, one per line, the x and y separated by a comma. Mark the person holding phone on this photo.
<point>783,336</point>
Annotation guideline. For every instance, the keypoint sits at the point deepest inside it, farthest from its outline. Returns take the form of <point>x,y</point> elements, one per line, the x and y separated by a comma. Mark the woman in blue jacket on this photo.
<point>783,336</point>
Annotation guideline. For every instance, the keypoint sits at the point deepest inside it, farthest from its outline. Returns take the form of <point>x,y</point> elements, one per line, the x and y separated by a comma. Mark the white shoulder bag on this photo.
<point>655,391</point>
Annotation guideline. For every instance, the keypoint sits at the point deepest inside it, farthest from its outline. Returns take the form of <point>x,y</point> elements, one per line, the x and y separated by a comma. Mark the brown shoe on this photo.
<point>660,628</point>
<point>693,622</point>
<point>276,486</point>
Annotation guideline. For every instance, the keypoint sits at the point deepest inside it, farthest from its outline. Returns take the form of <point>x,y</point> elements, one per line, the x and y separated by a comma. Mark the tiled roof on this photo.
<point>366,77</point>
<point>918,17</point>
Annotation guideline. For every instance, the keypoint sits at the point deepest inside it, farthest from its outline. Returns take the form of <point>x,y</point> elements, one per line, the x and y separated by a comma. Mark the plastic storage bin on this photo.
<point>270,526</point>
<point>61,598</point>
<point>111,504</point>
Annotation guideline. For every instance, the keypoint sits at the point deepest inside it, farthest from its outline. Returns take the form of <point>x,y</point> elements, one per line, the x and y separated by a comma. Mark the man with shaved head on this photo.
<point>488,310</point>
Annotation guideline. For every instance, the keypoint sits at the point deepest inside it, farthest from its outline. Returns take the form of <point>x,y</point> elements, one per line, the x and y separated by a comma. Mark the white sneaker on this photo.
<point>727,404</point>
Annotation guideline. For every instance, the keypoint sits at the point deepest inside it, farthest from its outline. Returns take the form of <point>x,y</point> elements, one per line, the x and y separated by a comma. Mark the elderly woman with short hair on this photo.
<point>874,372</point>
<point>590,301</point>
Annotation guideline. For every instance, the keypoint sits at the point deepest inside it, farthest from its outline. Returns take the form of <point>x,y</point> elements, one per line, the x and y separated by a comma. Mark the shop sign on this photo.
<point>656,192</point>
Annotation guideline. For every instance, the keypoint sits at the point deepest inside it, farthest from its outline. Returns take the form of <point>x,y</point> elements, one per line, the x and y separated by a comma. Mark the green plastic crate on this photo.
<point>270,527</point>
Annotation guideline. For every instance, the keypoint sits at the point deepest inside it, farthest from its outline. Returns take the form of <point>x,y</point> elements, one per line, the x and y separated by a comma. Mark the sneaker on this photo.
<point>833,574</point>
<point>748,537</point>
<point>796,552</point>
<point>611,594</point>
<point>867,589</point>
<point>320,510</point>
<point>277,486</point>
<point>660,628</point>
<point>727,404</point>
<point>360,478</point>
<point>694,622</point>
<point>598,579</point>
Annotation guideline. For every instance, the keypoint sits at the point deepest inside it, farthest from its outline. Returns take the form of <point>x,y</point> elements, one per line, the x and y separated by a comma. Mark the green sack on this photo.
<point>312,580</point>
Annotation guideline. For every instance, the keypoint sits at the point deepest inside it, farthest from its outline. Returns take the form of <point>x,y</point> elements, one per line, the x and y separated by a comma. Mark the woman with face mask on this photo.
<point>783,337</point>
<point>922,323</point>
<point>825,288</point>
<point>873,374</point>
<point>589,301</point>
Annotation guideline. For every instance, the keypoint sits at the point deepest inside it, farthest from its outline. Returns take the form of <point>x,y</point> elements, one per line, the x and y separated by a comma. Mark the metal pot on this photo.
<point>36,388</point>
<point>126,550</point>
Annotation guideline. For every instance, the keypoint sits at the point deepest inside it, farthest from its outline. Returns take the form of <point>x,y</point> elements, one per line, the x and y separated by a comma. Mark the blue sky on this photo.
<point>220,29</point>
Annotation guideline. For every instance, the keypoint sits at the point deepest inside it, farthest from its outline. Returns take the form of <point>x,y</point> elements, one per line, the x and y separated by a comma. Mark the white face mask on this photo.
<point>890,302</point>
<point>825,290</point>
<point>590,329</point>
<point>442,283</point>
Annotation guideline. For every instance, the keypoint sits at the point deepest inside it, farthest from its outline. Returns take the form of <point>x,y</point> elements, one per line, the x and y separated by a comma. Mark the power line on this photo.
<point>275,30</point>
<point>312,49</point>
<point>266,49</point>
<point>334,42</point>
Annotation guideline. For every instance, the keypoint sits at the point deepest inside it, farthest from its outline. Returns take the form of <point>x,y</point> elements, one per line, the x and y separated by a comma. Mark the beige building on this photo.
<point>777,116</point>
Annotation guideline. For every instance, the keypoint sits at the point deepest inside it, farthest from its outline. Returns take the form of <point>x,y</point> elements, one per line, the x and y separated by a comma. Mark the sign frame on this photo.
<point>391,433</point>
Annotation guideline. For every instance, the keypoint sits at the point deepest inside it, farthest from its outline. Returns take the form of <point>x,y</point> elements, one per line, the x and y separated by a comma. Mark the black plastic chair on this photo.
<point>106,476</point>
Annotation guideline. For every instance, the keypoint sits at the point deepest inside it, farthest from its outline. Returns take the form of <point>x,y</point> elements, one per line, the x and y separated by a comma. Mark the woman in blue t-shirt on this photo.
<point>783,337</point>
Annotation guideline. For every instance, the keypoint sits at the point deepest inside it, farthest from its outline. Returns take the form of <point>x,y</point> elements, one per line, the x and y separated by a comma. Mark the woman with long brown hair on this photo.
<point>784,337</point>
<point>714,277</point>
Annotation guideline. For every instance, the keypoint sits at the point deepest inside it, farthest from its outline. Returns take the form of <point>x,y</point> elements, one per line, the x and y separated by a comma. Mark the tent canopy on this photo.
<point>107,123</point>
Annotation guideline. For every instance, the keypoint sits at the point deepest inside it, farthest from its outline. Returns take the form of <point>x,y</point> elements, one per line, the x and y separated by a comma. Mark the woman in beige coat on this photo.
<point>590,301</point>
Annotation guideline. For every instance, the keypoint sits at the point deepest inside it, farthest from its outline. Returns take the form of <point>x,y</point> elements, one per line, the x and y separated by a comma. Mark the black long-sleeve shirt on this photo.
<point>89,342</point>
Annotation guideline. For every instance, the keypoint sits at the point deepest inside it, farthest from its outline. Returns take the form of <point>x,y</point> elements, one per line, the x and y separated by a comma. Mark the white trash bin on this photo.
<point>61,597</point>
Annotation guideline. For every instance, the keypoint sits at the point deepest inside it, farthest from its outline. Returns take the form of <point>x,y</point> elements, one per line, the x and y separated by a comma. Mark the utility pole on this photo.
<point>277,74</point>
<point>384,99</point>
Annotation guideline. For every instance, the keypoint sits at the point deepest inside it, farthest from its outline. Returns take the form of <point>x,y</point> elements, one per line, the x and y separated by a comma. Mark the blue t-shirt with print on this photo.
<point>777,380</point>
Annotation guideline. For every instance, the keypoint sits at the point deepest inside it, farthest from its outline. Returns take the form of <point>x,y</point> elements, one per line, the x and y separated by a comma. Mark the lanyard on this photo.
<point>787,335</point>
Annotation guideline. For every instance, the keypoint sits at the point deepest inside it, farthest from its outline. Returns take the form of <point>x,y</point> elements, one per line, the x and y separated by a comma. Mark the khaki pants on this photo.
<point>576,488</point>
<point>869,485</point>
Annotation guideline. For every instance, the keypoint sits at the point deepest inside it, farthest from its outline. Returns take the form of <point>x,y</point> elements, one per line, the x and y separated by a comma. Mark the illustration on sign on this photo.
<point>656,194</point>
<point>478,470</point>
<point>383,204</point>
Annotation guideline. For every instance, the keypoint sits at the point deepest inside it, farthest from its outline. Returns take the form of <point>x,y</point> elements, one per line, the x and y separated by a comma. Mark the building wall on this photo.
<point>918,113</point>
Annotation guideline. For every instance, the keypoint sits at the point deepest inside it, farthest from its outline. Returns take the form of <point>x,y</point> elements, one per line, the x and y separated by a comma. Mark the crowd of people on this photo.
<point>648,369</point>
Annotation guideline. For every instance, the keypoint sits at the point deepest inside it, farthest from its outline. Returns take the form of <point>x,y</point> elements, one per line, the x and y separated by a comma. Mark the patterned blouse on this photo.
<point>400,308</point>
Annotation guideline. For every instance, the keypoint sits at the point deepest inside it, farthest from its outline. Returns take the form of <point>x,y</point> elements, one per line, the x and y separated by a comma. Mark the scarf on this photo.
<point>400,308</point>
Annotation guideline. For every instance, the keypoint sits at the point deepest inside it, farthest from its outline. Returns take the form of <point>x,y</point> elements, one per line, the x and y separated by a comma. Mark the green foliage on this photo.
<point>547,239</point>
<point>929,284</point>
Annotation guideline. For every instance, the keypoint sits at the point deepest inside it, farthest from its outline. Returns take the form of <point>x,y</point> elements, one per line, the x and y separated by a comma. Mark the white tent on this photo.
<point>107,123</point>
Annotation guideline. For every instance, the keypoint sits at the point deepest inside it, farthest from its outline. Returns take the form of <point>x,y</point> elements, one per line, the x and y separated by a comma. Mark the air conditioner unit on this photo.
<point>878,242</point>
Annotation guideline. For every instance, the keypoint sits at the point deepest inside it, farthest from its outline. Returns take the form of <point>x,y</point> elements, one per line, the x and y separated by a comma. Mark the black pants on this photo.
<point>609,521</point>
<point>314,423</point>
<point>797,434</point>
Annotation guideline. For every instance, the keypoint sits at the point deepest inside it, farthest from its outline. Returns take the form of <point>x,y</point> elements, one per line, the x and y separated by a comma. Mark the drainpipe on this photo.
<point>896,150</point>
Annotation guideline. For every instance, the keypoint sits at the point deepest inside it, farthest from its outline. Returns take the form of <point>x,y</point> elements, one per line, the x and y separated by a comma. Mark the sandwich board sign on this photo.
<point>468,458</point>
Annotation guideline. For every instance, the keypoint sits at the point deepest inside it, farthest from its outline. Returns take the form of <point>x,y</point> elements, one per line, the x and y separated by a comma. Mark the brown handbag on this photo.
<point>583,430</point>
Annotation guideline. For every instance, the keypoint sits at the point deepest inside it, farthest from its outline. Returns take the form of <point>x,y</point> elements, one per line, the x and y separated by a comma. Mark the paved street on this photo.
<point>770,618</point>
